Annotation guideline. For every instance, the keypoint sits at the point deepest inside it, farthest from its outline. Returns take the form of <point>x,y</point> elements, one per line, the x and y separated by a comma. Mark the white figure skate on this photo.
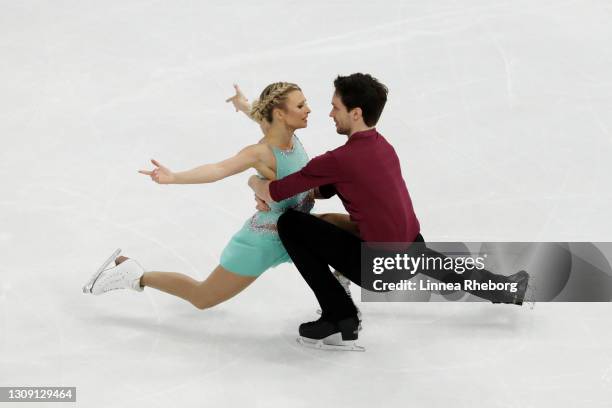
<point>126,275</point>
<point>101,269</point>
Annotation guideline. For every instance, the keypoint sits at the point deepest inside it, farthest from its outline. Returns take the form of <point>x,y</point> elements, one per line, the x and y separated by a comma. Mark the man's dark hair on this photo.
<point>362,91</point>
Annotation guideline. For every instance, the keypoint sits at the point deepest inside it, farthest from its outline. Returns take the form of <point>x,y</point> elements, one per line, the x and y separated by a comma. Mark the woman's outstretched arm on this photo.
<point>247,158</point>
<point>240,102</point>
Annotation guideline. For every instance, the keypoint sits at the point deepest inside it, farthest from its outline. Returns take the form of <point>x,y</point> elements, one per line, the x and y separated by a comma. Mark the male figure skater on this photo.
<point>365,174</point>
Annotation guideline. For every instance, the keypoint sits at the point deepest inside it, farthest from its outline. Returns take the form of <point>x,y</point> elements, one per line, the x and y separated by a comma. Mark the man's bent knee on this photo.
<point>286,222</point>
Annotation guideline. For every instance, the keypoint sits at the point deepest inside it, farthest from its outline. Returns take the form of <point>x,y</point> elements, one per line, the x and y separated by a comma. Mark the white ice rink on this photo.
<point>501,114</point>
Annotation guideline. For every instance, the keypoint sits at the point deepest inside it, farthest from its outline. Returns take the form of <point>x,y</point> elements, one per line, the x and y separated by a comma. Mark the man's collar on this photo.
<point>362,134</point>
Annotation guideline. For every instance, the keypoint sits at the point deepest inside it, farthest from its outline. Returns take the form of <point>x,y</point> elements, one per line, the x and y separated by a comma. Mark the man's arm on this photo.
<point>261,188</point>
<point>325,191</point>
<point>321,171</point>
<point>318,172</point>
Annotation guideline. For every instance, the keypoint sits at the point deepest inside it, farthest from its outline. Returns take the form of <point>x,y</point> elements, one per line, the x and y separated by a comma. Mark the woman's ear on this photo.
<point>278,114</point>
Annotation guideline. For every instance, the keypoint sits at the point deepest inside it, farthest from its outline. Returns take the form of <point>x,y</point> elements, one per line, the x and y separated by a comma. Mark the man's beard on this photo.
<point>342,131</point>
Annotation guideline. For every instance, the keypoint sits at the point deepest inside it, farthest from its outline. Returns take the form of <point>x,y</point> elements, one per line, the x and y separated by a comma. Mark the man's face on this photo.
<point>340,116</point>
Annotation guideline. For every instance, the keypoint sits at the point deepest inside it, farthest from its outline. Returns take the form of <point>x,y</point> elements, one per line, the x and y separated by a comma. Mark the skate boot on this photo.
<point>521,278</point>
<point>87,287</point>
<point>126,275</point>
<point>328,335</point>
<point>346,285</point>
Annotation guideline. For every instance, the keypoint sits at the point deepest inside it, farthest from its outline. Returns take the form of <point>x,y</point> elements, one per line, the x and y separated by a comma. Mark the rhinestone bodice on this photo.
<point>287,162</point>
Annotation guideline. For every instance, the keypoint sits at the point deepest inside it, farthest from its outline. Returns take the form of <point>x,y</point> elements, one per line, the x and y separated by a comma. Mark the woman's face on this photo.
<point>295,114</point>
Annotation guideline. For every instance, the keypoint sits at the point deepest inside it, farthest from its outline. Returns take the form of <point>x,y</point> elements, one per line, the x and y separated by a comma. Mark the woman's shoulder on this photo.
<point>262,152</point>
<point>258,149</point>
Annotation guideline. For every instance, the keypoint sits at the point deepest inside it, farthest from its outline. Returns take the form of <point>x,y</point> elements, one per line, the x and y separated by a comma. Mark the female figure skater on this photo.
<point>256,247</point>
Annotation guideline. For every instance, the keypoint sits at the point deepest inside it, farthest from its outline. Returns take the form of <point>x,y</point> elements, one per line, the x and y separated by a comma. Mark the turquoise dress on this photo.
<point>257,246</point>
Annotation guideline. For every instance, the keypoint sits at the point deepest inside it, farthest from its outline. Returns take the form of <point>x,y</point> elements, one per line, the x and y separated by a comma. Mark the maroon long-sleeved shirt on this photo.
<point>365,173</point>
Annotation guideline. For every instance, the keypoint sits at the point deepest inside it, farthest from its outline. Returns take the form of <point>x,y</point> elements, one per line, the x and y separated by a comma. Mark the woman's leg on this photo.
<point>220,285</point>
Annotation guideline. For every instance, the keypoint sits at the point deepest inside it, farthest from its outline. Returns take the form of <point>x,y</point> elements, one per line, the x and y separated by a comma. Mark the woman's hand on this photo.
<point>261,204</point>
<point>240,102</point>
<point>161,174</point>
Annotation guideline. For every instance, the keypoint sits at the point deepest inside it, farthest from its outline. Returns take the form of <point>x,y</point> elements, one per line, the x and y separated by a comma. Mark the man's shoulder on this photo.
<point>338,151</point>
<point>328,155</point>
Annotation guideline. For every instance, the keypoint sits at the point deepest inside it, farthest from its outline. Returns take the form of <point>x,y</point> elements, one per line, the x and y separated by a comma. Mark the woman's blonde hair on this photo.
<point>273,96</point>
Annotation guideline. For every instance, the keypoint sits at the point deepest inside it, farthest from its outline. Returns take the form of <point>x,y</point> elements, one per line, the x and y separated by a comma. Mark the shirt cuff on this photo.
<point>327,190</point>
<point>272,187</point>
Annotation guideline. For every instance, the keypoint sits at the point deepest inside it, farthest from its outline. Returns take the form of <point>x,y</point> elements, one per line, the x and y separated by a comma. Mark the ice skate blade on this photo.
<point>89,285</point>
<point>333,342</point>
<point>530,295</point>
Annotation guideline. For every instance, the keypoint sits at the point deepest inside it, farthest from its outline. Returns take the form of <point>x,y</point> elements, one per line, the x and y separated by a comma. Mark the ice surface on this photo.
<point>499,111</point>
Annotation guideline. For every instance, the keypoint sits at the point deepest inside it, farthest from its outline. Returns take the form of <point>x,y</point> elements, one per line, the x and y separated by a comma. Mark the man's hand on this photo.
<point>261,188</point>
<point>160,175</point>
<point>261,204</point>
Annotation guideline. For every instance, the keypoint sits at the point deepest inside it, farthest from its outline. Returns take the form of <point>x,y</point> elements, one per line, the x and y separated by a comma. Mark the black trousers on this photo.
<point>314,245</point>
